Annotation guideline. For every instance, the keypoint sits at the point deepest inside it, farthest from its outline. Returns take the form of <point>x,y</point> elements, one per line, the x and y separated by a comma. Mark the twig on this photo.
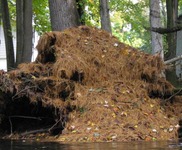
<point>54,125</point>
<point>173,60</point>
<point>27,117</point>
<point>11,126</point>
<point>173,95</point>
<point>164,30</point>
<point>23,91</point>
<point>35,131</point>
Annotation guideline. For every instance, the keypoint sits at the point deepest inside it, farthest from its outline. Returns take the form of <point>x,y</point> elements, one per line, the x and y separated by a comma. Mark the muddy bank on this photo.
<point>85,85</point>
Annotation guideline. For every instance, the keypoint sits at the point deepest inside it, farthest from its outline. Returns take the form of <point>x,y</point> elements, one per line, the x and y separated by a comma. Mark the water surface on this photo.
<point>32,145</point>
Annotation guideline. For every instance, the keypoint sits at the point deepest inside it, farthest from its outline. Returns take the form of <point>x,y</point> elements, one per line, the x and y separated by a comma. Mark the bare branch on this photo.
<point>173,60</point>
<point>164,30</point>
<point>179,91</point>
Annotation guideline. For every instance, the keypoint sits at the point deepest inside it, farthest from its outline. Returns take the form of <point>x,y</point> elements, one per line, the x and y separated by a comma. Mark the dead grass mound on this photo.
<point>107,90</point>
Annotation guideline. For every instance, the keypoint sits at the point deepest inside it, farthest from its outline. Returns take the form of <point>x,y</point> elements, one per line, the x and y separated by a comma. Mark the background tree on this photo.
<point>24,32</point>
<point>63,14</point>
<point>104,15</point>
<point>172,14</point>
<point>155,21</point>
<point>7,34</point>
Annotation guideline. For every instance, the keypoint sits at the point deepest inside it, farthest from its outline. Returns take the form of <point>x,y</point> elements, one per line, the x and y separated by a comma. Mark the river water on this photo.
<point>32,145</point>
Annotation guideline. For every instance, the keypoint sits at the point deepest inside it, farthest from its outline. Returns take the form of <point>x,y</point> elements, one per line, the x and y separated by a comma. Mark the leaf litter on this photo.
<point>98,88</point>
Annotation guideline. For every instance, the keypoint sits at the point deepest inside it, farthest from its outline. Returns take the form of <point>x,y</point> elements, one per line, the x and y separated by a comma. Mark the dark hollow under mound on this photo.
<point>23,117</point>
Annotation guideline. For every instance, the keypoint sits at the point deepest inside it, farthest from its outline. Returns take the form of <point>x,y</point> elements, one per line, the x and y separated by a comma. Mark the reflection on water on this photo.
<point>30,145</point>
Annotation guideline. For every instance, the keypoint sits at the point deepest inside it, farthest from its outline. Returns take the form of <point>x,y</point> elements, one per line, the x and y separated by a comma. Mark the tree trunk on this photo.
<point>19,31</point>
<point>172,13</point>
<point>28,31</point>
<point>105,17</point>
<point>179,51</point>
<point>63,14</point>
<point>164,13</point>
<point>24,31</point>
<point>7,35</point>
<point>155,21</point>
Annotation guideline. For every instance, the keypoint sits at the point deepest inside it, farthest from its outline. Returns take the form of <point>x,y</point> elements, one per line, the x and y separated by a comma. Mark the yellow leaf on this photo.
<point>74,131</point>
<point>62,139</point>
<point>161,127</point>
<point>124,114</point>
<point>92,124</point>
<point>33,77</point>
<point>146,114</point>
<point>88,122</point>
<point>151,105</point>
<point>113,115</point>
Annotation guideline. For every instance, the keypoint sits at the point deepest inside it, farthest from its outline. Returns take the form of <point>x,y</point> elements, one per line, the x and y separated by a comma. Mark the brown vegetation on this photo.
<point>99,88</point>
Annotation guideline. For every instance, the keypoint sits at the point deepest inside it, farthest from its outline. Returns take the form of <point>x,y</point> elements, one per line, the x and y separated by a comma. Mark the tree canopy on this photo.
<point>129,19</point>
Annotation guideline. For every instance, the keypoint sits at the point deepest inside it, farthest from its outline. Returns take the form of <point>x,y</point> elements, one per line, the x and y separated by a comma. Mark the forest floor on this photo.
<point>87,86</point>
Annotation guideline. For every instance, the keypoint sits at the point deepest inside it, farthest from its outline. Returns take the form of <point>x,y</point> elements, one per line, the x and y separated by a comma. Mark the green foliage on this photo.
<point>41,16</point>
<point>127,19</point>
<point>12,12</point>
<point>92,17</point>
<point>180,7</point>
